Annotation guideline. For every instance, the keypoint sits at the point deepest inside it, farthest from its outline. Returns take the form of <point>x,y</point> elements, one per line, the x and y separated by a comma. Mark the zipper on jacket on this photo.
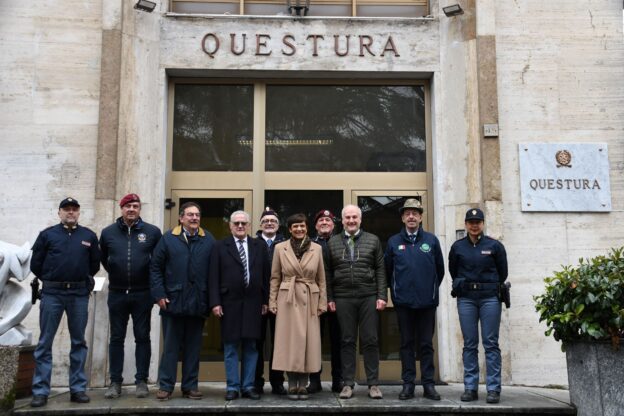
<point>129,259</point>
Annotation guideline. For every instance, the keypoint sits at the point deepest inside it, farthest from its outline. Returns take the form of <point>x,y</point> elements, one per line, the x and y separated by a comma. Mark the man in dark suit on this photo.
<point>239,295</point>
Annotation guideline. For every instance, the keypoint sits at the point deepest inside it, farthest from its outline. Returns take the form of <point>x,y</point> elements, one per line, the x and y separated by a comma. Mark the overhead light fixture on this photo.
<point>145,5</point>
<point>298,7</point>
<point>453,10</point>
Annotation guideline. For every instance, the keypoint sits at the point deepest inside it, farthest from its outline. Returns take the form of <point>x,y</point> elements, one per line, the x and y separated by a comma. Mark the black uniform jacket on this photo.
<point>242,306</point>
<point>64,255</point>
<point>478,268</point>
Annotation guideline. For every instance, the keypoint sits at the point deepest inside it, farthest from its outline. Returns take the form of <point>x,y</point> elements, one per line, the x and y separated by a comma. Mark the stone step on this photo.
<point>514,401</point>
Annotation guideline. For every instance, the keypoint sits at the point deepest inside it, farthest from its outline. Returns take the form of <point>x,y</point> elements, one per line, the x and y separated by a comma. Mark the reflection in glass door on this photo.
<point>216,208</point>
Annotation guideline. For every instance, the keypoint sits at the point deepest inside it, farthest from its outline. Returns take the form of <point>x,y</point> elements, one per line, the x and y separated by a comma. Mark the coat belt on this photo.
<point>290,297</point>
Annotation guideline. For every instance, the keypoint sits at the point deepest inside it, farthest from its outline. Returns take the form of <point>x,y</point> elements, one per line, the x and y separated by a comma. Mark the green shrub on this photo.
<point>585,302</point>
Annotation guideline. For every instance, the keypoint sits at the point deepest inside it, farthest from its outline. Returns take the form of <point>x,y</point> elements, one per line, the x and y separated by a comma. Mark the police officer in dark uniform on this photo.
<point>324,225</point>
<point>65,258</point>
<point>478,265</point>
<point>269,233</point>
<point>127,247</point>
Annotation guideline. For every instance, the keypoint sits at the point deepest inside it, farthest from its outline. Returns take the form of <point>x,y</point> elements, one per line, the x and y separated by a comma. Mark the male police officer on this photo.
<point>65,258</point>
<point>126,248</point>
<point>415,268</point>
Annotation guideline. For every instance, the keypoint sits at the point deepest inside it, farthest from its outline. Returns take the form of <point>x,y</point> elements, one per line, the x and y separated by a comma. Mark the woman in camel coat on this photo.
<point>298,297</point>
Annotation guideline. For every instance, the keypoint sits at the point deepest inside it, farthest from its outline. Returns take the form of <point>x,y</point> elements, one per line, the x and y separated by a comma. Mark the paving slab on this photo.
<point>515,400</point>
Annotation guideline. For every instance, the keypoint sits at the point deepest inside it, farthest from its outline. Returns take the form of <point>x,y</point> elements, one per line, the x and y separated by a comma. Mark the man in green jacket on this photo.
<point>356,290</point>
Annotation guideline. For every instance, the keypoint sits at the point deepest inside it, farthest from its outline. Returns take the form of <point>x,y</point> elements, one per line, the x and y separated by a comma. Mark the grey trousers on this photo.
<point>354,313</point>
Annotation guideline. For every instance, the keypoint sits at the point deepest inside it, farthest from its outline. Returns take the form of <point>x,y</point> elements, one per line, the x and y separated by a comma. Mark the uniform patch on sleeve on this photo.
<point>86,243</point>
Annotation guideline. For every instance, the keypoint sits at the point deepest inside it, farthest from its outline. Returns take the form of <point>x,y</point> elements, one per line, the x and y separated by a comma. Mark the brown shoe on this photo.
<point>374,393</point>
<point>192,394</point>
<point>163,395</point>
<point>302,392</point>
<point>346,392</point>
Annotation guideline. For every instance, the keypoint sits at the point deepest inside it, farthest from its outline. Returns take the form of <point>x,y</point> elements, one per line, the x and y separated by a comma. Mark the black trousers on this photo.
<point>359,314</point>
<point>330,320</point>
<point>276,378</point>
<point>416,327</point>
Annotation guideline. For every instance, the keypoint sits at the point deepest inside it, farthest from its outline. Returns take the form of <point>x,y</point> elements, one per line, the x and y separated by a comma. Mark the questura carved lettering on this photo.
<point>312,45</point>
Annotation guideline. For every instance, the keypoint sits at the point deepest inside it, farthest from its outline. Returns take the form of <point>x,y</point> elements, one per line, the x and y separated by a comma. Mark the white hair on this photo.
<point>348,206</point>
<point>235,213</point>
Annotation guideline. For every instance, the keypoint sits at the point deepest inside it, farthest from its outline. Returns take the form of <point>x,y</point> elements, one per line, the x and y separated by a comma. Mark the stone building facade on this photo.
<point>88,102</point>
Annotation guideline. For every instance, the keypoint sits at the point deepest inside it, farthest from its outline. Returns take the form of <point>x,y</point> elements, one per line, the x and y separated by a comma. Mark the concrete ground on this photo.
<point>514,400</point>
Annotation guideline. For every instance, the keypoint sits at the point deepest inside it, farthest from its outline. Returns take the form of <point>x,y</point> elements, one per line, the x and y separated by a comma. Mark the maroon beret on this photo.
<point>323,213</point>
<point>129,198</point>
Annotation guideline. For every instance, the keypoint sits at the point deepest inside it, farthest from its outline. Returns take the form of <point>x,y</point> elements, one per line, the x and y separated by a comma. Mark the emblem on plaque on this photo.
<point>563,158</point>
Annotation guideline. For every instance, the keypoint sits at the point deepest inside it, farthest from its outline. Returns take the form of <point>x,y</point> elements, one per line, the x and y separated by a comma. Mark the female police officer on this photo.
<point>478,264</point>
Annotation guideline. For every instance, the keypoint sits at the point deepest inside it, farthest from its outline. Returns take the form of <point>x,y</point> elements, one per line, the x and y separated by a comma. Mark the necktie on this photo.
<point>243,256</point>
<point>351,243</point>
<point>412,238</point>
<point>269,242</point>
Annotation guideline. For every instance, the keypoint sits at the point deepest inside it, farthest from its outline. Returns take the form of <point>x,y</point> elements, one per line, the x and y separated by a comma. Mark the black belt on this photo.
<point>480,286</point>
<point>64,285</point>
<point>126,291</point>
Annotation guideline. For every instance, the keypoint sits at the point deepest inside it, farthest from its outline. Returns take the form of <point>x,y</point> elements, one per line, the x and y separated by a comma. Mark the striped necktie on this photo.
<point>243,256</point>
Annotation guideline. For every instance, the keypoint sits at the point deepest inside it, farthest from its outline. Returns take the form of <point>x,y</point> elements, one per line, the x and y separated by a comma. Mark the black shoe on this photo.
<point>407,392</point>
<point>279,390</point>
<point>429,392</point>
<point>337,386</point>
<point>79,397</point>
<point>39,401</point>
<point>231,395</point>
<point>314,387</point>
<point>251,394</point>
<point>493,397</point>
<point>469,395</point>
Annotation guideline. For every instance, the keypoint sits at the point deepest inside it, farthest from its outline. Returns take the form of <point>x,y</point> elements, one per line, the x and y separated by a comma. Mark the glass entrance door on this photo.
<point>216,207</point>
<point>299,146</point>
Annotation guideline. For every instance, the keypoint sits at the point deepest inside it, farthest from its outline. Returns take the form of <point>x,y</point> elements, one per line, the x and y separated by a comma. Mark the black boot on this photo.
<point>429,392</point>
<point>469,396</point>
<point>407,392</point>
<point>493,397</point>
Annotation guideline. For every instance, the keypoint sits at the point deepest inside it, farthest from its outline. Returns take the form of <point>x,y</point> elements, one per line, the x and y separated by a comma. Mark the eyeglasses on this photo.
<point>267,221</point>
<point>240,223</point>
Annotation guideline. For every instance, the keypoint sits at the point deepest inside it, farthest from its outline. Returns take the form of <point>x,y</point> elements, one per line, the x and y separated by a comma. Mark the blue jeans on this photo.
<point>248,370</point>
<point>121,306</point>
<point>488,312</point>
<point>50,313</point>
<point>180,333</point>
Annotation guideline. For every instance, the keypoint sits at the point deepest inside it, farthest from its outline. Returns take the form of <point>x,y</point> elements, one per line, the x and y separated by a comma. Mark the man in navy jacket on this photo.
<point>65,258</point>
<point>127,247</point>
<point>415,269</point>
<point>179,285</point>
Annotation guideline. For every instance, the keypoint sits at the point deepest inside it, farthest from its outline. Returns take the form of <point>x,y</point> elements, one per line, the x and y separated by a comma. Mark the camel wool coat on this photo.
<point>298,291</point>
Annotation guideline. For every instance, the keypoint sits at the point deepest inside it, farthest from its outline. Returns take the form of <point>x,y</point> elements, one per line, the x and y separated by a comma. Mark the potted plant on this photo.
<point>583,307</point>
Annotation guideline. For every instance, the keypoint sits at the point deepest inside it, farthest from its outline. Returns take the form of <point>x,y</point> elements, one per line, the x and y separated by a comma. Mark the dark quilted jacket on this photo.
<point>364,275</point>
